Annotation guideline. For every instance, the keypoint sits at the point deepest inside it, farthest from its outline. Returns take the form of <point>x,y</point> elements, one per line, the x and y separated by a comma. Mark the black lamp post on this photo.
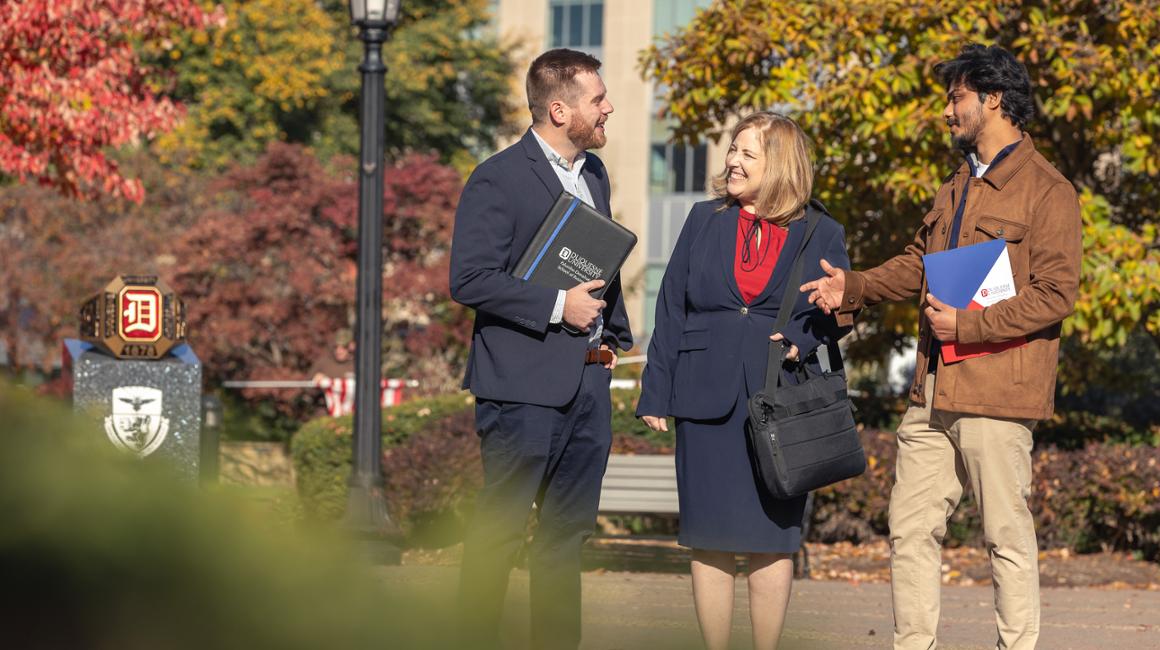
<point>366,509</point>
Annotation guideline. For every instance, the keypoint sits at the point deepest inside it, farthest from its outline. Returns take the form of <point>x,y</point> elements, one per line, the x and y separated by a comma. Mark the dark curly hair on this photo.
<point>988,70</point>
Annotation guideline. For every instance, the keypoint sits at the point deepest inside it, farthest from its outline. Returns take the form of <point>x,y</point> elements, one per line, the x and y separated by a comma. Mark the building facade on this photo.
<point>654,182</point>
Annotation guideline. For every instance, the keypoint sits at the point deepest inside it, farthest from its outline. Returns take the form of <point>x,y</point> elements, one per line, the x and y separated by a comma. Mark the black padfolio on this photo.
<point>802,437</point>
<point>575,244</point>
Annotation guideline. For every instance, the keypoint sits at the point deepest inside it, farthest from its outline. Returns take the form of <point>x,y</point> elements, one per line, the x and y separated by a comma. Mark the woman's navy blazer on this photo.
<point>706,340</point>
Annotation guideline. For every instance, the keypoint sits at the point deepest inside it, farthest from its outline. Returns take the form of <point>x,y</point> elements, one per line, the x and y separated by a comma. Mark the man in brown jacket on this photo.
<point>971,420</point>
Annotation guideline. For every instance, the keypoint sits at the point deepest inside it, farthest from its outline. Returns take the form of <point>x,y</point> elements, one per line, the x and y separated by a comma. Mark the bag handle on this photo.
<point>789,298</point>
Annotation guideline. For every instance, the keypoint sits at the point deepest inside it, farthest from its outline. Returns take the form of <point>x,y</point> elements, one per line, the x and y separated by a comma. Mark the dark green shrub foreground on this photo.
<point>101,550</point>
<point>1102,496</point>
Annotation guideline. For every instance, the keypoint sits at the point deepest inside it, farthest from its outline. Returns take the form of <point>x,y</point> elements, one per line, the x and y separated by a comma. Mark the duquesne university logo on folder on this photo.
<point>973,278</point>
<point>575,244</point>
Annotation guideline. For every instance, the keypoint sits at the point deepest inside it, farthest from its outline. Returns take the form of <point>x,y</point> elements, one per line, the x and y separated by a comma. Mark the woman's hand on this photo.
<point>792,355</point>
<point>655,423</point>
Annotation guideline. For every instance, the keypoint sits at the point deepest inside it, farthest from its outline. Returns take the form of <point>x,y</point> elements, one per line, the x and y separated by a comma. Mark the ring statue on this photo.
<point>134,317</point>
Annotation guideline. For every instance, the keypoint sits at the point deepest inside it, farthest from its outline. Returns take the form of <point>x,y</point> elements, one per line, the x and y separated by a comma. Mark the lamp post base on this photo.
<point>371,526</point>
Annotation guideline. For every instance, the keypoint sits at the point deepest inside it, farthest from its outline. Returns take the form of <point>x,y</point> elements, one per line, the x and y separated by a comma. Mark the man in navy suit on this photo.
<point>543,410</point>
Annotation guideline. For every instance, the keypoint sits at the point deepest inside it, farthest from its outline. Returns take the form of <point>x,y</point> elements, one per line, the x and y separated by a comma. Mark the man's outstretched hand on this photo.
<point>580,308</point>
<point>827,292</point>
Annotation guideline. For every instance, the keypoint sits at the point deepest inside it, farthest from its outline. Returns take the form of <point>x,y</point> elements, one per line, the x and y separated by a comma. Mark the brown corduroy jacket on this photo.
<point>1027,202</point>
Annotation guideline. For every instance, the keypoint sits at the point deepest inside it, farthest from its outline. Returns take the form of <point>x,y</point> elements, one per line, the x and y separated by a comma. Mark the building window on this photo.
<point>577,24</point>
<point>677,179</point>
<point>678,174</point>
<point>676,169</point>
<point>490,28</point>
<point>671,15</point>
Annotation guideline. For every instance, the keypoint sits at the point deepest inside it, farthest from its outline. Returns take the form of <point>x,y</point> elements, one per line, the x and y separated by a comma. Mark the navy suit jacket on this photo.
<point>516,356</point>
<point>707,344</point>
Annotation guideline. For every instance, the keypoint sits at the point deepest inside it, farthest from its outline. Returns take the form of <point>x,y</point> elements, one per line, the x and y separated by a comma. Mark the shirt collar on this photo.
<point>558,160</point>
<point>973,158</point>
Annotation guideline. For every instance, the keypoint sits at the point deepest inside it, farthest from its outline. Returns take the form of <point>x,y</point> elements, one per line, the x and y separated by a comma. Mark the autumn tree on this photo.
<point>73,84</point>
<point>264,256</point>
<point>287,70</point>
<point>268,75</point>
<point>269,274</point>
<point>56,252</point>
<point>858,76</point>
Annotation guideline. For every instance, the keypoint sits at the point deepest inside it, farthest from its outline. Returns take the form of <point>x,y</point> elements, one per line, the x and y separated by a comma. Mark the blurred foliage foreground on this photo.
<point>1092,496</point>
<point>98,550</point>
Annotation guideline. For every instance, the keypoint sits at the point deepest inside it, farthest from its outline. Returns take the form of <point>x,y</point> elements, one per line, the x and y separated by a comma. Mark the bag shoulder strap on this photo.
<point>814,212</point>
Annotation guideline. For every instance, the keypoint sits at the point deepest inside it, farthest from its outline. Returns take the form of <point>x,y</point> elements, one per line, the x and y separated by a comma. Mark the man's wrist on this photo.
<point>852,293</point>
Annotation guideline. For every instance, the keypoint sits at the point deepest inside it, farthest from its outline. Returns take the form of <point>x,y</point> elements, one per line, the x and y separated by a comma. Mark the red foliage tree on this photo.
<point>55,252</point>
<point>265,258</point>
<point>73,83</point>
<point>269,276</point>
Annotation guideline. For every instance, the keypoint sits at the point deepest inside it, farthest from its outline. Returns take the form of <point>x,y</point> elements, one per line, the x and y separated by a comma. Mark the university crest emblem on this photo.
<point>136,424</point>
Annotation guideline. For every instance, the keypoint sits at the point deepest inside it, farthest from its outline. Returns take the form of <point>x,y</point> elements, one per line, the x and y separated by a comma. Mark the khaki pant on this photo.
<point>939,452</point>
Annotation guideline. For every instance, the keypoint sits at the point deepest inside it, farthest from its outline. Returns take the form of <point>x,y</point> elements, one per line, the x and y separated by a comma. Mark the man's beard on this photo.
<point>585,136</point>
<point>968,136</point>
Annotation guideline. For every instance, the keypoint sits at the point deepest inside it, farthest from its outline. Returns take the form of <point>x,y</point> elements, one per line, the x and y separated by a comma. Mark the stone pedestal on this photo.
<point>148,408</point>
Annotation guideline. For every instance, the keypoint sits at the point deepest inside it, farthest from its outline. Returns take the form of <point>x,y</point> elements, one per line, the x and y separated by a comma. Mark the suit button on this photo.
<point>1000,232</point>
<point>744,311</point>
<point>850,300</point>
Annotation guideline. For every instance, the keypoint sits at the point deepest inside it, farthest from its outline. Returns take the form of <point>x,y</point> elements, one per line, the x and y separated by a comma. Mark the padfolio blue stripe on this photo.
<point>551,239</point>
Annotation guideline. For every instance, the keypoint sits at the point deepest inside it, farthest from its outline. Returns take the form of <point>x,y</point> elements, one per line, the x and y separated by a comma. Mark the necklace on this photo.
<point>750,235</point>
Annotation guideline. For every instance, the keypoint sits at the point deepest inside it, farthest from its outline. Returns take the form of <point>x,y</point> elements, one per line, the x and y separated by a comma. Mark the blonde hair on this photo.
<point>788,179</point>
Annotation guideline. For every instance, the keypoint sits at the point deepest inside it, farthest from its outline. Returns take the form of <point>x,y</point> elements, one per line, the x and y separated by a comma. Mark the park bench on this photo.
<point>642,484</point>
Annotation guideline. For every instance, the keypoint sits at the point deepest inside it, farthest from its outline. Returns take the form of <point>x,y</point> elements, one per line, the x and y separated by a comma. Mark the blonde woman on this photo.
<point>714,319</point>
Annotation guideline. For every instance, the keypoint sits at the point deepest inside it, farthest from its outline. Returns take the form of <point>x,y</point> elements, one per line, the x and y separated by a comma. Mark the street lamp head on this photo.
<point>374,11</point>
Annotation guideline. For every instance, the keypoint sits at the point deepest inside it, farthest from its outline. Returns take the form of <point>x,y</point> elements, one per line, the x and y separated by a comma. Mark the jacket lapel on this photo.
<point>784,264</point>
<point>540,165</point>
<point>727,244</point>
<point>595,184</point>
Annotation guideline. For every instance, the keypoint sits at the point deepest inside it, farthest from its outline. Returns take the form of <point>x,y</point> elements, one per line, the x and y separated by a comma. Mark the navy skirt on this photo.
<point>722,507</point>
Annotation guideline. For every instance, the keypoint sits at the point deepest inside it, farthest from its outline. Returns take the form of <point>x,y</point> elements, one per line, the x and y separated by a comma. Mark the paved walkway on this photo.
<point>631,611</point>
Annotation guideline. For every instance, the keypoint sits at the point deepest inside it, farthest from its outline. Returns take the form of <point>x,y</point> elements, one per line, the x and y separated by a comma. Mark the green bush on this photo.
<point>321,450</point>
<point>430,462</point>
<point>1101,496</point>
